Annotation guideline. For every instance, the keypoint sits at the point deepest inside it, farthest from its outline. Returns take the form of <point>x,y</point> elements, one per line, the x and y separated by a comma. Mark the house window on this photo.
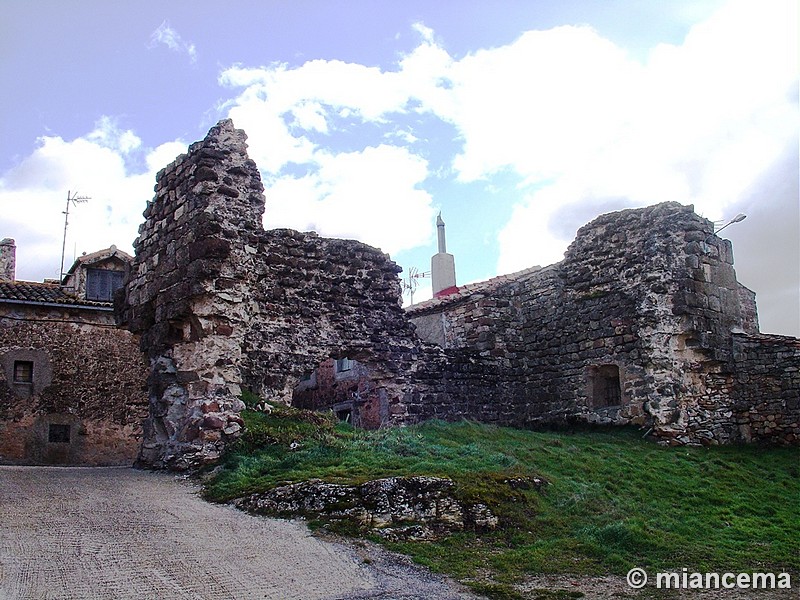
<point>343,364</point>
<point>23,371</point>
<point>58,434</point>
<point>102,283</point>
<point>606,389</point>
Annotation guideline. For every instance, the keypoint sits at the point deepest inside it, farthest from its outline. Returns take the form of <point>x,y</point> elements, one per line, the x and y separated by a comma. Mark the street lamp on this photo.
<point>736,219</point>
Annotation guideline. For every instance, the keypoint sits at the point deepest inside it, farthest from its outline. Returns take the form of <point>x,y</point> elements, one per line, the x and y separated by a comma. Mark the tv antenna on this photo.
<point>73,199</point>
<point>412,281</point>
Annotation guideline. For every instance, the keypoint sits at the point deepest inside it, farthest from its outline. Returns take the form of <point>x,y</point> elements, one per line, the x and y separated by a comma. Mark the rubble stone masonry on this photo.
<point>222,304</point>
<point>643,322</point>
<point>87,388</point>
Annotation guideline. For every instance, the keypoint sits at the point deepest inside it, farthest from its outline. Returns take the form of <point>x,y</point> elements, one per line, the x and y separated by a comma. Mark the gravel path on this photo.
<point>85,534</point>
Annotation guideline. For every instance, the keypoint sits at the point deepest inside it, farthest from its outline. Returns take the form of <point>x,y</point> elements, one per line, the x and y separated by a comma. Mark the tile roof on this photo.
<point>23,292</point>
<point>465,291</point>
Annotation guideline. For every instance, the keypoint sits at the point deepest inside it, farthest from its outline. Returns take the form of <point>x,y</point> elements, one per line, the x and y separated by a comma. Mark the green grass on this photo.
<point>614,501</point>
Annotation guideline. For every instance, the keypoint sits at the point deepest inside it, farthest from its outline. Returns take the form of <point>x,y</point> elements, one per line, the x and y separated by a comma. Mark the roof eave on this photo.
<point>97,307</point>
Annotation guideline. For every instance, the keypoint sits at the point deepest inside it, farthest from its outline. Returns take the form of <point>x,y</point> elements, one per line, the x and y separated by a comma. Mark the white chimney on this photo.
<point>443,265</point>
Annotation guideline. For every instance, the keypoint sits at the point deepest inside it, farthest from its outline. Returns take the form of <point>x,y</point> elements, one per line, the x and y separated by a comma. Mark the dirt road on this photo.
<point>85,534</point>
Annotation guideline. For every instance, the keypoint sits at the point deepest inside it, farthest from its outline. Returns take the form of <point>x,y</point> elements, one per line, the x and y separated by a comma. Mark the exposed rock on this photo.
<point>397,507</point>
<point>526,483</point>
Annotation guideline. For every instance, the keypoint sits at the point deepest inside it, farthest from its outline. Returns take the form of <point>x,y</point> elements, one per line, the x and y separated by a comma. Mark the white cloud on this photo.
<point>696,123</point>
<point>107,134</point>
<point>584,125</point>
<point>161,156</point>
<point>279,107</point>
<point>33,196</point>
<point>165,34</point>
<point>546,102</point>
<point>372,195</point>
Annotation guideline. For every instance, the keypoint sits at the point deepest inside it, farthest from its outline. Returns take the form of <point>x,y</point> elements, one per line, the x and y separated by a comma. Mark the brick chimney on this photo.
<point>8,260</point>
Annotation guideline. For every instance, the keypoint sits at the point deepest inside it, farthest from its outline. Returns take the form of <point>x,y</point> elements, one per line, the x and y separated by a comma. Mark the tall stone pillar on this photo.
<point>188,297</point>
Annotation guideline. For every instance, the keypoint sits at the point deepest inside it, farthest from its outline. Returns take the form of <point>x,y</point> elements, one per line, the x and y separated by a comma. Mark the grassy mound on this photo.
<point>613,501</point>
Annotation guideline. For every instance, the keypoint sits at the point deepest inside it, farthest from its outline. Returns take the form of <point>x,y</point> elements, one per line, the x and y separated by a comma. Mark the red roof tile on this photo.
<point>465,291</point>
<point>23,292</point>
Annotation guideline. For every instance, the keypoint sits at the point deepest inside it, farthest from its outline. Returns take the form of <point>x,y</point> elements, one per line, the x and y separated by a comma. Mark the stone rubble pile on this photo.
<point>395,507</point>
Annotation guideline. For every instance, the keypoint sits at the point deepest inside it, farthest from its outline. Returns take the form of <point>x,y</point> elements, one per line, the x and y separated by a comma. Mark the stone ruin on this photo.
<point>222,305</point>
<point>642,323</point>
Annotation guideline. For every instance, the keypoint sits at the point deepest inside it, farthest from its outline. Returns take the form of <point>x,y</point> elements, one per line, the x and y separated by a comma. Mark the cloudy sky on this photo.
<point>520,120</point>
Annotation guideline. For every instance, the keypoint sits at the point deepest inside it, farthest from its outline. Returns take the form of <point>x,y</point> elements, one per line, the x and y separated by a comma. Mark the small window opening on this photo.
<point>23,371</point>
<point>58,434</point>
<point>606,387</point>
<point>174,332</point>
<point>344,364</point>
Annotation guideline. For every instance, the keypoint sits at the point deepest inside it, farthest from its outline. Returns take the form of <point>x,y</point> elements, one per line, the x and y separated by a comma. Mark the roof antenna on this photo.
<point>73,199</point>
<point>412,281</point>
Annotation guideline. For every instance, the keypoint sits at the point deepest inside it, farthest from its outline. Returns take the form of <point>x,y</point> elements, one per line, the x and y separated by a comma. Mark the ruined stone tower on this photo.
<point>188,296</point>
<point>221,304</point>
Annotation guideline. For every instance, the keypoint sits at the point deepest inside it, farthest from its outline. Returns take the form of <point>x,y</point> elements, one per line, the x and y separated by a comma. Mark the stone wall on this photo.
<point>755,397</point>
<point>643,322</point>
<point>323,298</point>
<point>222,304</point>
<point>766,391</point>
<point>637,325</point>
<point>87,389</point>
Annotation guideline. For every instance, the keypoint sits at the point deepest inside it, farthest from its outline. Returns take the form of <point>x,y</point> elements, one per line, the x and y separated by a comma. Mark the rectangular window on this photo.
<point>611,395</point>
<point>102,283</point>
<point>605,386</point>
<point>58,434</point>
<point>343,364</point>
<point>23,371</point>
